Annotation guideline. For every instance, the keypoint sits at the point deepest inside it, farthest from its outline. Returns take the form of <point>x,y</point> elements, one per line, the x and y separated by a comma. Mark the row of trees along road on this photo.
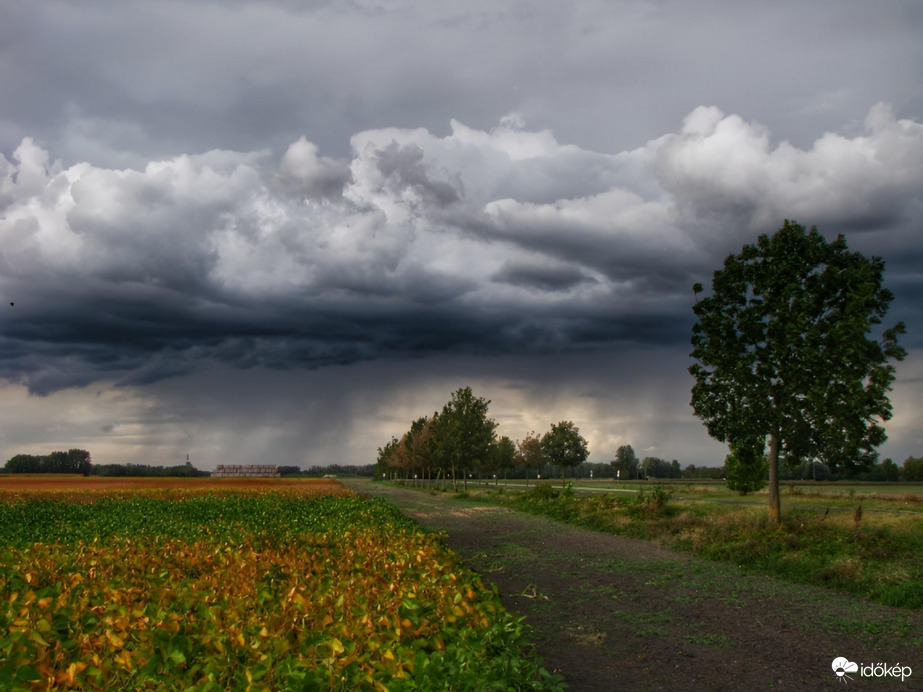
<point>783,356</point>
<point>462,439</point>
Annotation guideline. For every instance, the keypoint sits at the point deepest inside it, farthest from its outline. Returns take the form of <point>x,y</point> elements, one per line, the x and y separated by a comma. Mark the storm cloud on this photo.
<point>497,241</point>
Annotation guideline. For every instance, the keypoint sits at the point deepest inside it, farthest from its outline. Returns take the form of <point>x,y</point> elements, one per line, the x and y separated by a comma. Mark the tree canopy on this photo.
<point>71,461</point>
<point>746,470</point>
<point>564,446</point>
<point>503,456</point>
<point>783,353</point>
<point>460,437</point>
<point>626,462</point>
<point>529,453</point>
<point>463,431</point>
<point>655,467</point>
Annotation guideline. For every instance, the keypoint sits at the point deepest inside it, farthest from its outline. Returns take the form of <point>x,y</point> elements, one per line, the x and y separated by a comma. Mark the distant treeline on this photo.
<point>329,470</point>
<point>883,471</point>
<point>186,470</point>
<point>79,461</point>
<point>649,467</point>
<point>654,467</point>
<point>71,461</point>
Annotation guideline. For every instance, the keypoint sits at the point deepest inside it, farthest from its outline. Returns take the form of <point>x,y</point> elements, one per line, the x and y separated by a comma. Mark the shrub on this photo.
<point>652,504</point>
<point>543,491</point>
<point>747,469</point>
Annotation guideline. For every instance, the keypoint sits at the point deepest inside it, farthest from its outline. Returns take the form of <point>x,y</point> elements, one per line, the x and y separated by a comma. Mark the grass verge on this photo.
<point>877,556</point>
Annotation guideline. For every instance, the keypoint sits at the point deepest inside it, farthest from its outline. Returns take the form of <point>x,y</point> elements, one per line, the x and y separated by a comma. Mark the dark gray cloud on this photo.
<point>414,246</point>
<point>542,278</point>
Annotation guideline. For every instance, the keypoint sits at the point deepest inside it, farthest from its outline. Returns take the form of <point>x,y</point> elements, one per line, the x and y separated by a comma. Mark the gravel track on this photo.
<point>615,613</point>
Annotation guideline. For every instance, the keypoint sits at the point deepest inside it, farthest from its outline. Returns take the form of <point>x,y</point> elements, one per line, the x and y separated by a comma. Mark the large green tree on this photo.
<point>463,434</point>
<point>655,467</point>
<point>386,462</point>
<point>625,463</point>
<point>564,446</point>
<point>418,443</point>
<point>503,455</point>
<point>783,353</point>
<point>529,454</point>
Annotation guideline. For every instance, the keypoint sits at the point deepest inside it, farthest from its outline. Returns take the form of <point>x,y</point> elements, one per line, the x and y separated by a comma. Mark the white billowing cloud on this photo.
<point>719,182</point>
<point>718,163</point>
<point>36,197</point>
<point>616,232</point>
<point>483,240</point>
<point>28,176</point>
<point>309,174</point>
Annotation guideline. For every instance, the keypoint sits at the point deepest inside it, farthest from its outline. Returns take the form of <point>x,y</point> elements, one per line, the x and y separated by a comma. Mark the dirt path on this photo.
<point>613,613</point>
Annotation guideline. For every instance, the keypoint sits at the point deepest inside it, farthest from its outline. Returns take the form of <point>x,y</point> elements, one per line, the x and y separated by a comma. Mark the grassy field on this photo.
<point>863,539</point>
<point>239,585</point>
<point>821,496</point>
<point>718,489</point>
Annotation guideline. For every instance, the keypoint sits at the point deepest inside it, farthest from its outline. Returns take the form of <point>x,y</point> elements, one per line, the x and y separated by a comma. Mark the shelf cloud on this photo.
<point>480,241</point>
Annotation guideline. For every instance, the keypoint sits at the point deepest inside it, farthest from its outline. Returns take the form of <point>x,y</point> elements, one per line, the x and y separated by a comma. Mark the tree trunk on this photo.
<point>775,512</point>
<point>454,479</point>
<point>563,477</point>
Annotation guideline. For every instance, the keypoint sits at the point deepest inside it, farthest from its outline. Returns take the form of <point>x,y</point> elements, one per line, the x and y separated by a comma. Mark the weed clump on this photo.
<point>543,492</point>
<point>652,504</point>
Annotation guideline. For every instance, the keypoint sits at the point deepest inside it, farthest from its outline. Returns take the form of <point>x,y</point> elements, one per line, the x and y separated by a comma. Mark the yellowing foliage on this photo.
<point>255,592</point>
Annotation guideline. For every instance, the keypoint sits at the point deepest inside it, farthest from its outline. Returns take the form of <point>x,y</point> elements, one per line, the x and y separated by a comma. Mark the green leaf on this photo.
<point>27,674</point>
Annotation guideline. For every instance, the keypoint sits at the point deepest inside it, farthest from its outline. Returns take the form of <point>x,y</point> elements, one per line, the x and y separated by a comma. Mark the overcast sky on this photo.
<point>277,231</point>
